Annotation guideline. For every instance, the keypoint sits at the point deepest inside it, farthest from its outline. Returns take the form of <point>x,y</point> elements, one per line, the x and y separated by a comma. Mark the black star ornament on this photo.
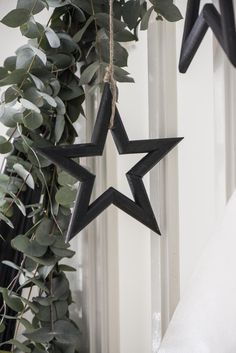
<point>139,208</point>
<point>196,26</point>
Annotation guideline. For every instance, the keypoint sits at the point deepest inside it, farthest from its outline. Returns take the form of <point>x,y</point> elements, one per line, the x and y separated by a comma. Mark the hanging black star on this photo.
<point>140,208</point>
<point>196,26</point>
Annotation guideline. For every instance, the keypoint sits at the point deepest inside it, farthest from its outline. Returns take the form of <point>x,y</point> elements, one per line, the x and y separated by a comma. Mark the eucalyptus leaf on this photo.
<point>89,73</point>
<point>43,233</point>
<point>66,332</point>
<point>31,305</point>
<point>6,220</point>
<point>52,38</point>
<point>3,72</point>
<point>22,347</point>
<point>32,29</point>
<point>28,247</point>
<point>10,63</point>
<point>103,21</point>
<point>167,9</point>
<point>16,18</point>
<point>65,179</point>
<point>77,37</point>
<point>146,18</point>
<point>11,300</point>
<point>15,77</point>
<point>41,335</point>
<point>29,105</point>
<point>62,252</point>
<point>120,53</point>
<point>5,145</point>
<point>24,174</point>
<point>59,127</point>
<point>32,120</point>
<point>66,268</point>
<point>2,328</point>
<point>18,203</point>
<point>65,196</point>
<point>12,265</point>
<point>131,12</point>
<point>11,94</point>
<point>33,6</point>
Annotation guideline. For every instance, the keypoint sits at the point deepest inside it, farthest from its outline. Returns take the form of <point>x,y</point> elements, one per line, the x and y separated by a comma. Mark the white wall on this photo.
<point>134,238</point>
<point>202,192</point>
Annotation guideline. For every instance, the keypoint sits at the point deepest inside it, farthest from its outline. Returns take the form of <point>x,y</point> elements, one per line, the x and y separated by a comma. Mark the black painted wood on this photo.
<point>196,26</point>
<point>140,208</point>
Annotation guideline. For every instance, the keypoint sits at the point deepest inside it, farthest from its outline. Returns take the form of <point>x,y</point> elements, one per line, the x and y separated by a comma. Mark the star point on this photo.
<point>197,24</point>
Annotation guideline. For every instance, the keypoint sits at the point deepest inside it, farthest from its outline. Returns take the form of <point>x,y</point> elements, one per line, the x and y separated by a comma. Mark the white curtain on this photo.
<point>205,319</point>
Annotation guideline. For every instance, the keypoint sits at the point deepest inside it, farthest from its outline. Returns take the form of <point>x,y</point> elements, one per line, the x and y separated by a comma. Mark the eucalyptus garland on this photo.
<point>42,100</point>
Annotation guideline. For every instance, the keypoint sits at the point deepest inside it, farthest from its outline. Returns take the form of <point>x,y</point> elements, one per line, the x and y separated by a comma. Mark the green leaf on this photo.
<point>22,347</point>
<point>122,75</point>
<point>59,127</point>
<point>28,325</point>
<point>11,93</point>
<point>6,220</point>
<point>32,29</point>
<point>65,196</point>
<point>50,100</point>
<point>52,38</point>
<point>130,12</point>
<point>31,305</point>
<point>24,174</point>
<point>2,329</point>
<point>83,4</point>
<point>5,146</point>
<point>102,20</point>
<point>124,36</point>
<point>66,268</point>
<point>29,105</point>
<point>10,63</point>
<point>3,72</point>
<point>41,335</point>
<point>66,332</point>
<point>43,233</point>
<point>57,3</point>
<point>62,252</point>
<point>32,120</point>
<point>38,83</point>
<point>9,116</point>
<point>16,18</point>
<point>89,73</point>
<point>61,61</point>
<point>12,265</point>
<point>78,36</point>
<point>28,247</point>
<point>65,179</point>
<point>33,6</point>
<point>36,282</point>
<point>146,18</point>
<point>25,56</point>
<point>120,53</point>
<point>15,77</point>
<point>11,300</point>
<point>18,203</point>
<point>167,9</point>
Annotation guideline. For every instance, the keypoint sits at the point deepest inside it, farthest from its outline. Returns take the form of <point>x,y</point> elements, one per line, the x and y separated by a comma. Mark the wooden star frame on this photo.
<point>196,26</point>
<point>140,208</point>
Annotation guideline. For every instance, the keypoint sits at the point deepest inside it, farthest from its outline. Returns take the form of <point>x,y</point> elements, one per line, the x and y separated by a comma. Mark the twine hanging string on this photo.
<point>109,77</point>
